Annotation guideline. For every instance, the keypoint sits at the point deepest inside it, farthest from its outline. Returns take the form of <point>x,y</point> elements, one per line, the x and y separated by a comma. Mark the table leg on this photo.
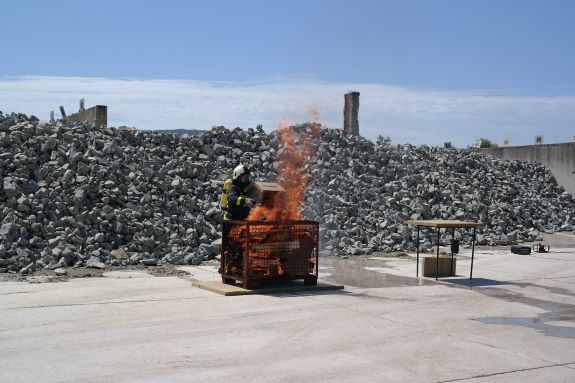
<point>437,259</point>
<point>417,267</point>
<point>452,239</point>
<point>472,254</point>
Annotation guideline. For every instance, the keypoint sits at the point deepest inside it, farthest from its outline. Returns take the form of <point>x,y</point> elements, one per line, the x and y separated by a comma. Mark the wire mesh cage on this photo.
<point>256,253</point>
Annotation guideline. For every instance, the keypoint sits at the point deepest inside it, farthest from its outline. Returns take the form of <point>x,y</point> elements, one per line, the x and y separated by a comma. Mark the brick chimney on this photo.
<point>350,113</point>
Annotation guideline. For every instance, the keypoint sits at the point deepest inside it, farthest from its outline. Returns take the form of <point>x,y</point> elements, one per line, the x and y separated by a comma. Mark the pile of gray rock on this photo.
<point>364,192</point>
<point>75,195</point>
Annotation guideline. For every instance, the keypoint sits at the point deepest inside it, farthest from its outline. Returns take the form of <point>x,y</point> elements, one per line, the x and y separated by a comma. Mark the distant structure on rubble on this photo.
<point>97,115</point>
<point>350,113</point>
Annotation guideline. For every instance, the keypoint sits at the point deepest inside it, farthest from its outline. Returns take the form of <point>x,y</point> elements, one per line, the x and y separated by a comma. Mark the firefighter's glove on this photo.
<point>250,202</point>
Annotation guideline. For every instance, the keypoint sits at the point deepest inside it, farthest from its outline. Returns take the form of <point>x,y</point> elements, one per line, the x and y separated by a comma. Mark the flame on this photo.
<point>266,247</point>
<point>298,145</point>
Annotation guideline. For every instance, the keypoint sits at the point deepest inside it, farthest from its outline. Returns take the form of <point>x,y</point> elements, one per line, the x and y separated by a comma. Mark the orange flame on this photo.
<point>293,176</point>
<point>298,145</point>
<point>271,249</point>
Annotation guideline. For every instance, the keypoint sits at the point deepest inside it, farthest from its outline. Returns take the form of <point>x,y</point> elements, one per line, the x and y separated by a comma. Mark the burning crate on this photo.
<point>257,253</point>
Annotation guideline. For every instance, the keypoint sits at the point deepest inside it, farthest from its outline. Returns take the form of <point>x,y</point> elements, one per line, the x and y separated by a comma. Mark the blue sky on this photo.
<point>428,71</point>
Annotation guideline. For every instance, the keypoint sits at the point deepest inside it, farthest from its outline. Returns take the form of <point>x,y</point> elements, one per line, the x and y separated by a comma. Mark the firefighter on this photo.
<point>239,204</point>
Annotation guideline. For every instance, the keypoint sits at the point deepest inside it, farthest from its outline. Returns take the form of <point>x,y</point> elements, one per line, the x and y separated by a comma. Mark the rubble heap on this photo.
<point>75,195</point>
<point>364,191</point>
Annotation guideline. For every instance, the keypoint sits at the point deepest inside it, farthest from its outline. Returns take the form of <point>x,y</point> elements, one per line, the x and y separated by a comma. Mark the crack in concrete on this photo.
<point>504,372</point>
<point>20,292</point>
<point>105,303</point>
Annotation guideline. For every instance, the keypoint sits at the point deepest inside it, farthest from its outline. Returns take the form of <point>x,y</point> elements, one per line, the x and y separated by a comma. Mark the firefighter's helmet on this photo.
<point>239,171</point>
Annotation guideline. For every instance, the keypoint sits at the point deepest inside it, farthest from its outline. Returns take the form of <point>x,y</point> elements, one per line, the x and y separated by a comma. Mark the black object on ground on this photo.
<point>522,250</point>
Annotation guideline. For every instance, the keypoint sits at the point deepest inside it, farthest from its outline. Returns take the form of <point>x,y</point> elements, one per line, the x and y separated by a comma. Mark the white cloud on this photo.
<point>405,114</point>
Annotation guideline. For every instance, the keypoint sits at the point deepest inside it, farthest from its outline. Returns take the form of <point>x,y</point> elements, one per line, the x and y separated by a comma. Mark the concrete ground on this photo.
<point>516,322</point>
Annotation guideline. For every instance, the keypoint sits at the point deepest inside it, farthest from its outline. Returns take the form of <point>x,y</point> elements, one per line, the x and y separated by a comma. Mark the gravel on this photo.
<point>74,195</point>
<point>364,191</point>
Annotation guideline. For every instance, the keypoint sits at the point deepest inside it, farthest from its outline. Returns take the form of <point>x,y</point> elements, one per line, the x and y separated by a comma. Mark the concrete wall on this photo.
<point>558,158</point>
<point>351,112</point>
<point>98,115</point>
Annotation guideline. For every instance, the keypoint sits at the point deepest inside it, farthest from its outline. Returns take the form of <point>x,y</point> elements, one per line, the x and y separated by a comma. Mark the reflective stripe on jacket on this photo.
<point>237,208</point>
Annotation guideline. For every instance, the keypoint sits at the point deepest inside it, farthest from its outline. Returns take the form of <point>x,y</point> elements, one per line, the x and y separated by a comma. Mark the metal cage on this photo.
<point>257,253</point>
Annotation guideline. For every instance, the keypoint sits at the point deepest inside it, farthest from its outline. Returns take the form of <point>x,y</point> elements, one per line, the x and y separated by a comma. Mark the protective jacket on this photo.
<point>237,208</point>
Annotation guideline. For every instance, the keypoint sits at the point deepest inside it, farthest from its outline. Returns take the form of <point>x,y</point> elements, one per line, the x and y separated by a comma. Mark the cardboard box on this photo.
<point>445,270</point>
<point>267,194</point>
